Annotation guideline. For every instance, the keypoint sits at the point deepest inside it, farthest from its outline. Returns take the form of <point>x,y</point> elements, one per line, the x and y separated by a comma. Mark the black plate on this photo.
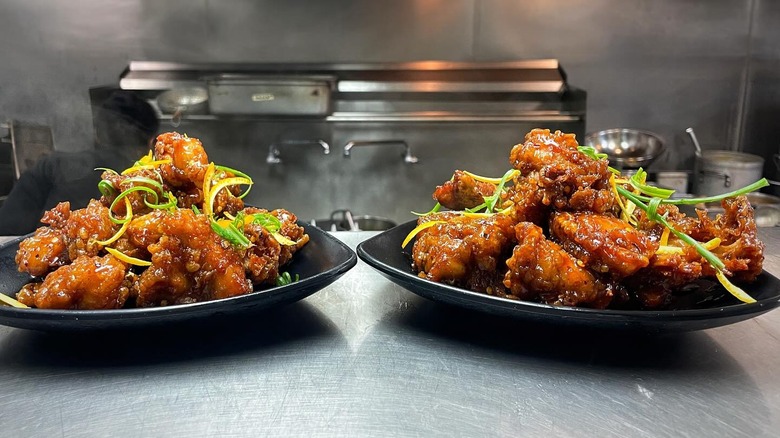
<point>383,252</point>
<point>319,263</point>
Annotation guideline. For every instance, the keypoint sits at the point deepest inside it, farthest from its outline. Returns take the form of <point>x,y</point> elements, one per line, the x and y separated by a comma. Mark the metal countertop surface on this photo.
<point>364,357</point>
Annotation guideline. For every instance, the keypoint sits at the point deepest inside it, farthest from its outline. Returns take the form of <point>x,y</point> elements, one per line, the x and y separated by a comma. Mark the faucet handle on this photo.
<point>274,156</point>
<point>408,157</point>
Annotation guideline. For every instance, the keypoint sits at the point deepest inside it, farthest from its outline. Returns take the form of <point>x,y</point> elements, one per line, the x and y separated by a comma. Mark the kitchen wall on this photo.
<point>660,65</point>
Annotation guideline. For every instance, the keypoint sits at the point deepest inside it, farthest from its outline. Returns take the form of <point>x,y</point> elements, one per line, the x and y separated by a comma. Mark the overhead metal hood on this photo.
<point>412,91</point>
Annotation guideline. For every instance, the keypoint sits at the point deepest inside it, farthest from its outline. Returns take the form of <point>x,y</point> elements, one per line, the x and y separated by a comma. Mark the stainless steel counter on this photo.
<point>364,357</point>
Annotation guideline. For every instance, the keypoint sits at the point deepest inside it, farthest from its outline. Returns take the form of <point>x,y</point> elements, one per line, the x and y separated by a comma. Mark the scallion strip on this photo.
<point>435,209</point>
<point>124,194</point>
<point>285,278</point>
<point>231,234</point>
<point>692,201</point>
<point>143,180</point>
<point>637,181</point>
<point>653,215</point>
<point>106,188</point>
<point>240,174</point>
<point>490,201</point>
<point>268,221</point>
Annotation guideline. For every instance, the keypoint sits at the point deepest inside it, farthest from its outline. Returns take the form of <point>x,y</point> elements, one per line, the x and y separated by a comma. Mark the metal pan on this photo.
<point>180,101</point>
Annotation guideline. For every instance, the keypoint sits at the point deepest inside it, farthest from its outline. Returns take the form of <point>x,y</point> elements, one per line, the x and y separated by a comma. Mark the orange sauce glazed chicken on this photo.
<point>561,227</point>
<point>171,229</point>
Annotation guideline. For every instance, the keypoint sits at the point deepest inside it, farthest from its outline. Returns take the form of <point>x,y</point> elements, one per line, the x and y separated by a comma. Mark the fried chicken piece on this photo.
<point>119,182</point>
<point>605,244</point>
<point>540,270</point>
<point>462,192</point>
<point>189,263</point>
<point>562,177</point>
<point>528,200</point>
<point>464,251</point>
<point>86,227</point>
<point>740,250</point>
<point>188,159</point>
<point>264,259</point>
<point>291,230</point>
<point>89,282</point>
<point>42,252</point>
<point>69,235</point>
<point>187,170</point>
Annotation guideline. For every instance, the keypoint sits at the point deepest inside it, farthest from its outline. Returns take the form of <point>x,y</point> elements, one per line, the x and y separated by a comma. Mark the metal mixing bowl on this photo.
<point>627,148</point>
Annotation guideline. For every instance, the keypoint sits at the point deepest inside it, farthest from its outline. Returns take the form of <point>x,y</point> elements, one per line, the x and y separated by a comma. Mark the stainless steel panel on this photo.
<point>661,66</point>
<point>339,30</point>
<point>268,96</point>
<point>761,133</point>
<point>608,32</point>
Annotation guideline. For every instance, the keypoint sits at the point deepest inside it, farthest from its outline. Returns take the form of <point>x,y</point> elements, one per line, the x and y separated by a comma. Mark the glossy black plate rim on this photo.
<point>373,251</point>
<point>47,319</point>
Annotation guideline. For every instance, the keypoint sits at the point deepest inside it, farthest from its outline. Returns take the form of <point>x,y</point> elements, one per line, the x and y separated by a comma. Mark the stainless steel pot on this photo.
<point>719,172</point>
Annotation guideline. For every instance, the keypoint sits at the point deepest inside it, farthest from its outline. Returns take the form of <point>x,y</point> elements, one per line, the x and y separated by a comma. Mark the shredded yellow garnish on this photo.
<point>494,181</point>
<point>208,176</point>
<point>9,301</point>
<point>417,229</point>
<point>213,191</point>
<point>712,244</point>
<point>283,240</point>
<point>127,259</point>
<point>665,236</point>
<point>624,213</point>
<point>733,289</point>
<point>118,234</point>
<point>476,215</point>
<point>149,165</point>
<point>665,249</point>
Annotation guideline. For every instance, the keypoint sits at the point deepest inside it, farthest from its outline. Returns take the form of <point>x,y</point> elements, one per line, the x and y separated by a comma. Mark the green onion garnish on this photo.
<point>231,234</point>
<point>284,279</point>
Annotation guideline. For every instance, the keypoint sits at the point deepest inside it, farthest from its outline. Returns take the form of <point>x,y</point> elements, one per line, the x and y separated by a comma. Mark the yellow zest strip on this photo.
<point>623,210</point>
<point>150,165</point>
<point>118,234</point>
<point>733,289</point>
<point>127,259</point>
<point>283,240</point>
<point>213,191</point>
<point>665,237</point>
<point>664,250</point>
<point>9,301</point>
<point>712,244</point>
<point>494,181</point>
<point>417,229</point>
<point>208,176</point>
<point>476,215</point>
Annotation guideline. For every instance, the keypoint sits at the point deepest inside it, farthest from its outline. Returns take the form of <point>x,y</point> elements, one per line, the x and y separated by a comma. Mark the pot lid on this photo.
<point>731,158</point>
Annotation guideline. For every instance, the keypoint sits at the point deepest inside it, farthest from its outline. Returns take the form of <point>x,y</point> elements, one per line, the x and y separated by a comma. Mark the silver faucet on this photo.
<point>408,157</point>
<point>274,156</point>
